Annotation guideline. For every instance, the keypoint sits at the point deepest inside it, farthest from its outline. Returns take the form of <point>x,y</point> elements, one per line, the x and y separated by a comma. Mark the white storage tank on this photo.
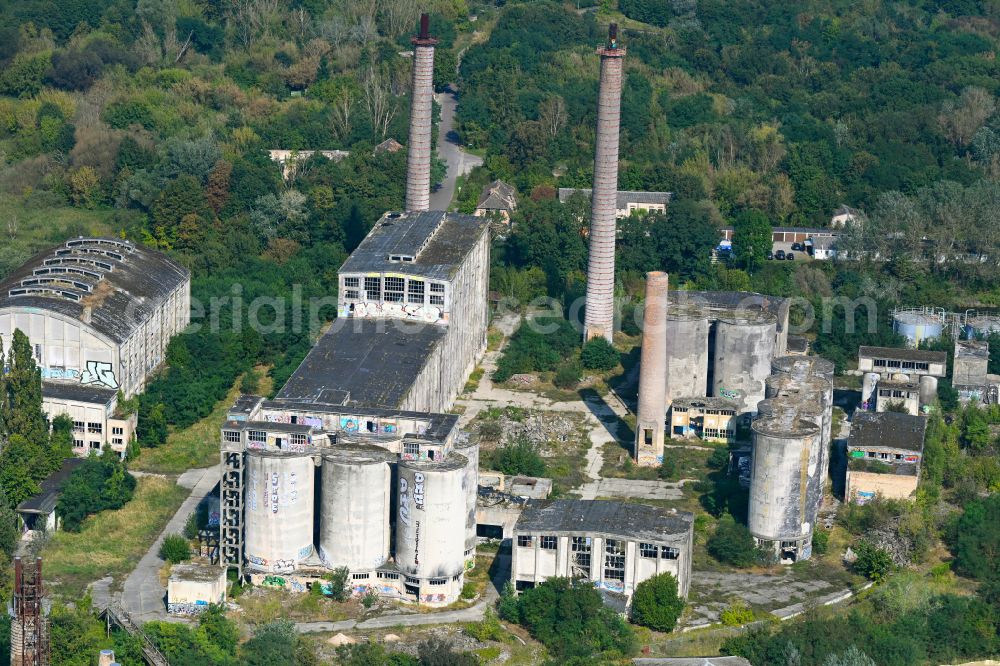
<point>280,510</point>
<point>430,537</point>
<point>918,325</point>
<point>355,507</point>
<point>470,481</point>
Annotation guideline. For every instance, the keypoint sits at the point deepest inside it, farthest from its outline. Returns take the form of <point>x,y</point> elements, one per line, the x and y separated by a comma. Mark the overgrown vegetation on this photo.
<point>98,484</point>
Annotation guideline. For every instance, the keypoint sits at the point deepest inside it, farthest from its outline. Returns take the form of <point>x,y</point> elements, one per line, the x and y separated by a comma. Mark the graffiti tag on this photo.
<point>98,372</point>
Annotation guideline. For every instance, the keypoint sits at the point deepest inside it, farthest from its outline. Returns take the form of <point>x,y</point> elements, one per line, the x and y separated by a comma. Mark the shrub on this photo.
<point>656,603</point>
<point>191,526</point>
<point>519,457</point>
<point>736,614</point>
<point>99,483</point>
<point>598,354</point>
<point>175,549</point>
<point>338,583</point>
<point>489,629</point>
<point>568,375</point>
<point>468,590</point>
<point>719,458</point>
<point>507,604</point>
<point>873,563</point>
<point>820,542</point>
<point>733,544</point>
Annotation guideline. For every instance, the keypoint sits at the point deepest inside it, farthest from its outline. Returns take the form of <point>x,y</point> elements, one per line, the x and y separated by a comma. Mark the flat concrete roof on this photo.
<point>363,362</point>
<point>437,242</point>
<point>972,348</point>
<point>620,519</point>
<point>899,354</point>
<point>890,430</point>
<point>44,502</point>
<point>77,392</point>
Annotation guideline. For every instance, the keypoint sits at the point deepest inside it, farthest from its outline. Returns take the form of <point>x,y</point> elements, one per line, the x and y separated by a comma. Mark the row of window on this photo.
<point>393,290</point>
<point>611,546</point>
<point>95,428</point>
<point>892,393</point>
<point>905,365</point>
<point>389,575</point>
<point>718,432</point>
<point>716,412</point>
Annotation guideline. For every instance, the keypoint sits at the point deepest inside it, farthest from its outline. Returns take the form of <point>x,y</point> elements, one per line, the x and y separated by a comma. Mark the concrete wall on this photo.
<point>116,432</point>
<point>890,486</point>
<point>451,362</point>
<point>535,564</point>
<point>744,348</point>
<point>686,374</point>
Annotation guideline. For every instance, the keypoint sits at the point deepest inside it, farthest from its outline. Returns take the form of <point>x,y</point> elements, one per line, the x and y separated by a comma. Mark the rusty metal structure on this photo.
<point>30,643</point>
<point>652,411</point>
<point>600,306</point>
<point>418,156</point>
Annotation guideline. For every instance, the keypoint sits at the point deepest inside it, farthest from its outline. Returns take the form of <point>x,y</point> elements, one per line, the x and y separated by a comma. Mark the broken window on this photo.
<point>231,436</point>
<point>548,543</point>
<point>394,287</point>
<point>524,540</point>
<point>373,288</point>
<point>411,448</point>
<point>415,293</point>
<point>256,436</point>
<point>649,550</point>
<point>352,282</point>
<point>614,560</point>
<point>669,553</point>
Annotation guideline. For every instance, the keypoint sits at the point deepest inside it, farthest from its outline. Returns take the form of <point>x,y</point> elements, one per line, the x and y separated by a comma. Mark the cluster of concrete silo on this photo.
<point>723,355</point>
<point>389,521</point>
<point>791,456</point>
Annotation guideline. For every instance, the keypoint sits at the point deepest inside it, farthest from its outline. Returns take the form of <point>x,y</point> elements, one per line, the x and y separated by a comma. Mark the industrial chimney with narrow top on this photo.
<point>418,157</point>
<point>652,412</point>
<point>600,307</point>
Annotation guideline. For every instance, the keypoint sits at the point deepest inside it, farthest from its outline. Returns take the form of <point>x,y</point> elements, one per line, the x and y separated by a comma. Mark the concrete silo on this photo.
<point>817,365</point>
<point>744,348</point>
<point>280,511</point>
<point>811,392</point>
<point>430,546</point>
<point>779,509</point>
<point>355,505</point>
<point>686,373</point>
<point>469,448</point>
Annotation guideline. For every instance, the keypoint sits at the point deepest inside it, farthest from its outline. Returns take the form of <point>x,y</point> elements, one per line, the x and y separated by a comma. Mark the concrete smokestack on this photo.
<point>653,365</point>
<point>600,307</point>
<point>418,156</point>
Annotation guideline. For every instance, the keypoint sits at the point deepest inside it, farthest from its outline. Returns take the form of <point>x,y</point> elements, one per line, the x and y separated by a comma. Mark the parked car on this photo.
<point>798,247</point>
<point>790,256</point>
<point>770,255</point>
<point>780,254</point>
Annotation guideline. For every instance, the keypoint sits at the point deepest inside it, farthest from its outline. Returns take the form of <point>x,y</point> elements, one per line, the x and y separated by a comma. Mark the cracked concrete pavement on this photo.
<point>143,595</point>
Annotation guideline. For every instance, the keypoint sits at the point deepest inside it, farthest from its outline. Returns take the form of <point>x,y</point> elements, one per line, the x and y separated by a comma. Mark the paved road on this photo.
<point>459,162</point>
<point>143,596</point>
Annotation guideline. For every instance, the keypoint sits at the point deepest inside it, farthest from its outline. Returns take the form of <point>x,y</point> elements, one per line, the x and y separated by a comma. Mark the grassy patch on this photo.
<point>262,605</point>
<point>111,542</point>
<point>28,229</point>
<point>195,446</point>
<point>474,379</point>
<point>494,339</point>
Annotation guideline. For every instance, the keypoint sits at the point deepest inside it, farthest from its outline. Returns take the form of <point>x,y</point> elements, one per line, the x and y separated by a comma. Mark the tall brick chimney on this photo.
<point>600,306</point>
<point>652,412</point>
<point>418,156</point>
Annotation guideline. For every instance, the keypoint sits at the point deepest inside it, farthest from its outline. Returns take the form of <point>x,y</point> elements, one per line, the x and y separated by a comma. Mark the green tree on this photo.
<point>751,239</point>
<point>873,562</point>
<point>437,651</point>
<point>599,354</point>
<point>568,375</point>
<point>571,620</point>
<point>976,539</point>
<point>733,544</point>
<point>852,656</point>
<point>656,603</point>
<point>24,415</point>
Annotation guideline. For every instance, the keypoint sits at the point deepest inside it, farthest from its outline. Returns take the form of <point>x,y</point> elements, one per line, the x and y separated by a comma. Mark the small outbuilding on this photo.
<point>192,588</point>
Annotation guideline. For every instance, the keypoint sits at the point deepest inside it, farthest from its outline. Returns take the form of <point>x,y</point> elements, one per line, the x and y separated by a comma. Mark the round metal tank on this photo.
<point>687,331</point>
<point>868,384</point>
<point>355,503</point>
<point>917,326</point>
<point>982,325</point>
<point>817,365</point>
<point>470,481</point>
<point>279,510</point>
<point>928,390</point>
<point>429,496</point>
<point>779,508</point>
<point>744,348</point>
